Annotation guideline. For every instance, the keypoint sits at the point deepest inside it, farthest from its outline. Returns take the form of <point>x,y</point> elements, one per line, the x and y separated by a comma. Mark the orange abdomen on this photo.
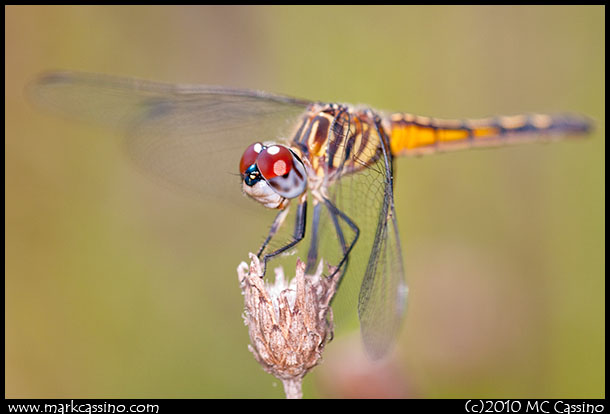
<point>414,135</point>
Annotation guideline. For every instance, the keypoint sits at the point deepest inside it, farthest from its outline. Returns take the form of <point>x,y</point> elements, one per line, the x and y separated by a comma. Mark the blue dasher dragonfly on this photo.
<point>289,151</point>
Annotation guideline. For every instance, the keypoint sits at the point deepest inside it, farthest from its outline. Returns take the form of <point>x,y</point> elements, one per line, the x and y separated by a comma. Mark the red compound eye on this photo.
<point>250,156</point>
<point>274,161</point>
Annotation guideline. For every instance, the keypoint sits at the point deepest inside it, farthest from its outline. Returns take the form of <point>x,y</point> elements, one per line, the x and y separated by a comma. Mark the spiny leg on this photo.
<point>337,214</point>
<point>312,254</point>
<point>298,235</point>
<point>335,218</point>
<point>277,223</point>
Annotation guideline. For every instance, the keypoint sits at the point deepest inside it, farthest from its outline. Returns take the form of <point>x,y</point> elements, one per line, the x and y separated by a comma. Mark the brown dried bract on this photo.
<point>289,323</point>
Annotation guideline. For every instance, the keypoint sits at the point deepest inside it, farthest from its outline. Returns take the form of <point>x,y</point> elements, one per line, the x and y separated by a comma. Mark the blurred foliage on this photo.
<point>117,287</point>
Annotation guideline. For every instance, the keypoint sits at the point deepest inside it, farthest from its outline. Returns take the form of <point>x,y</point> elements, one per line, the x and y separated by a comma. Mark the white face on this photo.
<point>264,194</point>
<point>272,174</point>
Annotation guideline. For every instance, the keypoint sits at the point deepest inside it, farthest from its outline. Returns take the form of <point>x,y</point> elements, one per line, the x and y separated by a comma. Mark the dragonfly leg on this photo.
<point>335,218</point>
<point>312,254</point>
<point>298,235</point>
<point>277,223</point>
<point>337,214</point>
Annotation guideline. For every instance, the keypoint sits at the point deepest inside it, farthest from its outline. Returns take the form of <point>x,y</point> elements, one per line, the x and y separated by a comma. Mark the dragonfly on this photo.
<point>338,158</point>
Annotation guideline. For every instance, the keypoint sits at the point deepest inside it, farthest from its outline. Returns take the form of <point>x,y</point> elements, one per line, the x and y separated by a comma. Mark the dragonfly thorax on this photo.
<point>272,174</point>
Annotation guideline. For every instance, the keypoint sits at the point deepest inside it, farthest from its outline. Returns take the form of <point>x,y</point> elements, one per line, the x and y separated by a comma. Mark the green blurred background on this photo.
<point>117,287</point>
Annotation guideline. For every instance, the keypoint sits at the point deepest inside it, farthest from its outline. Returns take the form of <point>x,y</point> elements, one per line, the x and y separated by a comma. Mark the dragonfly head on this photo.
<point>272,174</point>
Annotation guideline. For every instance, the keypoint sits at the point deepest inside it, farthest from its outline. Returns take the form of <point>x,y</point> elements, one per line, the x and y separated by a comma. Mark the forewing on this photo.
<point>192,136</point>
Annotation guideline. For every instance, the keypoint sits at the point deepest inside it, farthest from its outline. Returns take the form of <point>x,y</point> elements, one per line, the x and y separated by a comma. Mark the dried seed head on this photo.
<point>289,323</point>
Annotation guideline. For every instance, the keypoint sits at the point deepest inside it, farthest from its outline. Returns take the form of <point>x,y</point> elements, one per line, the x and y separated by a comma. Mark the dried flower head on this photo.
<point>289,323</point>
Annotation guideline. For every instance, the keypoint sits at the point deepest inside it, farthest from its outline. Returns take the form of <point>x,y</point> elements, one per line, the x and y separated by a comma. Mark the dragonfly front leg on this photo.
<point>277,223</point>
<point>298,235</point>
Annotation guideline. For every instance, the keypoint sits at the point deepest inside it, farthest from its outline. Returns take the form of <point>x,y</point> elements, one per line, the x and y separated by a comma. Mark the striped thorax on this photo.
<point>337,139</point>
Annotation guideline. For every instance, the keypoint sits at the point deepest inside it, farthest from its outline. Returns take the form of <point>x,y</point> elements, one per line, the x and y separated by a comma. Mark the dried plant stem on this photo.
<point>293,388</point>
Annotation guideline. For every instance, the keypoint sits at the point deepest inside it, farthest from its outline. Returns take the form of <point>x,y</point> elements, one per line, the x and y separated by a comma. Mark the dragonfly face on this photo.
<point>272,174</point>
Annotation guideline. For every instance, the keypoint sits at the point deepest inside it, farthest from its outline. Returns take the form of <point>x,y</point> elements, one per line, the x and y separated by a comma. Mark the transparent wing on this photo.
<point>192,136</point>
<point>383,293</point>
<point>374,274</point>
